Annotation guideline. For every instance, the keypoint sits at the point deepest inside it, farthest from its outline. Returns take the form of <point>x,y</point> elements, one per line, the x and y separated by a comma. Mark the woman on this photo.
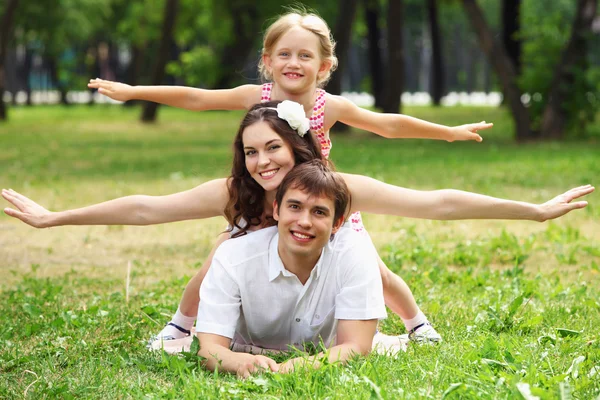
<point>266,148</point>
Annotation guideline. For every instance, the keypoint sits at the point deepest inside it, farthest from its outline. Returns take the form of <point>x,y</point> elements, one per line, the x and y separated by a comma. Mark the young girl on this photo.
<point>266,148</point>
<point>298,58</point>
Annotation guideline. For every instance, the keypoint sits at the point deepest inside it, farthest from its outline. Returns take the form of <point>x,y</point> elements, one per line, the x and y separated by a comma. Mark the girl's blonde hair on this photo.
<point>309,21</point>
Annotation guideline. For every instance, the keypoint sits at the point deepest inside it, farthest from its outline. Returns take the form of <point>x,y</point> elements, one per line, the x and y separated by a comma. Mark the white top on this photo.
<point>250,297</point>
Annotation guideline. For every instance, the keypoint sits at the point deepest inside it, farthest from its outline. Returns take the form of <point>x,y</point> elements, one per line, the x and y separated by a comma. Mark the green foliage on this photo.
<point>545,30</point>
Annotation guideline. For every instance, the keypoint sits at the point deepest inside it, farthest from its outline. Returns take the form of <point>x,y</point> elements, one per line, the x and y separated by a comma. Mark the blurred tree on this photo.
<point>568,73</point>
<point>221,42</point>
<point>342,33</point>
<point>246,22</point>
<point>137,25</point>
<point>503,66</point>
<point>511,26</point>
<point>162,57</point>
<point>395,64</point>
<point>372,16</point>
<point>437,87</point>
<point>56,27</point>
<point>572,61</point>
<point>6,34</point>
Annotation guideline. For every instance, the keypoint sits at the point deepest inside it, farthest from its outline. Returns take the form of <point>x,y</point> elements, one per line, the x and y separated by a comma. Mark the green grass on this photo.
<point>516,302</point>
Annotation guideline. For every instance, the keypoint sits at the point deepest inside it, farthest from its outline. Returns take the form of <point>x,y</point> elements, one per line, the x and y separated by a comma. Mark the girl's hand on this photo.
<point>468,131</point>
<point>29,211</point>
<point>114,90</point>
<point>561,204</point>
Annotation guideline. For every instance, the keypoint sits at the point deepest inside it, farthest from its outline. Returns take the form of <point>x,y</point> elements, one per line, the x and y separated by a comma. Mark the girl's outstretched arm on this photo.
<point>396,126</point>
<point>239,98</point>
<point>370,195</point>
<point>204,201</point>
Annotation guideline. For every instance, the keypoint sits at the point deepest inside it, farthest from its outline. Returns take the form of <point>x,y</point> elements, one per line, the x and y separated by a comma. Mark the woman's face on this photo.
<point>268,157</point>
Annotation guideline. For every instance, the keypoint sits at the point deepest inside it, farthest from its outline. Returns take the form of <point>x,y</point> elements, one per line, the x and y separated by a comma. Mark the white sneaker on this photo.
<point>424,333</point>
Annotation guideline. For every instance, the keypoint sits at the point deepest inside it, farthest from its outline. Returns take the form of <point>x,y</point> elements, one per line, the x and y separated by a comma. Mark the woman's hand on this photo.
<point>561,204</point>
<point>29,211</point>
<point>468,131</point>
<point>114,90</point>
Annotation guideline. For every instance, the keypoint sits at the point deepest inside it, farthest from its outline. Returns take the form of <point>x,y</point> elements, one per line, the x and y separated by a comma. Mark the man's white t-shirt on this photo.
<point>250,297</point>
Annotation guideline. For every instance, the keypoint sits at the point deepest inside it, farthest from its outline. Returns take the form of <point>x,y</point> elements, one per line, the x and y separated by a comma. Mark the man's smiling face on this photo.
<point>305,223</point>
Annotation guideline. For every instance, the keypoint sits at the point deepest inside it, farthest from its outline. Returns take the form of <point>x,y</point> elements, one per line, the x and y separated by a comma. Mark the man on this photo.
<point>306,280</point>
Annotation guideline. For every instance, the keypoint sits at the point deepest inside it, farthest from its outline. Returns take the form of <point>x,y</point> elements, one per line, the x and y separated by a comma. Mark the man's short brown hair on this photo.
<point>317,178</point>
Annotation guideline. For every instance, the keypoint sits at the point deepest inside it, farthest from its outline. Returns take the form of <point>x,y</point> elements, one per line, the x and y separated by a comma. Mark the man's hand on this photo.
<point>114,90</point>
<point>249,364</point>
<point>468,131</point>
<point>561,204</point>
<point>298,362</point>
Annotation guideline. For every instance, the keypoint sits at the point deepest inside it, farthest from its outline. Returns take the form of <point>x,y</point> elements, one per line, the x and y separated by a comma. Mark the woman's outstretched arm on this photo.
<point>204,201</point>
<point>371,195</point>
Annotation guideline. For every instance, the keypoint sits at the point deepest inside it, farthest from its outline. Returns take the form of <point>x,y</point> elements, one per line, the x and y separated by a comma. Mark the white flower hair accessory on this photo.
<point>294,114</point>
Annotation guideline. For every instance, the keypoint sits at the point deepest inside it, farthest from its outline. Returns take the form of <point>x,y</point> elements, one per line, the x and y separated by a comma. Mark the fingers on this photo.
<point>482,125</point>
<point>243,374</point>
<point>10,196</point>
<point>257,365</point>
<point>17,195</point>
<point>266,363</point>
<point>101,85</point>
<point>15,214</point>
<point>578,192</point>
<point>273,366</point>
<point>570,207</point>
<point>95,83</point>
<point>578,204</point>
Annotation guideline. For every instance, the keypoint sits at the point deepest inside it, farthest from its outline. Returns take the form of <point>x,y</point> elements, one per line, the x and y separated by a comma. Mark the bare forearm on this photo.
<point>130,210</point>
<point>340,353</point>
<point>400,126</point>
<point>174,96</point>
<point>447,204</point>
<point>456,204</point>
<point>219,357</point>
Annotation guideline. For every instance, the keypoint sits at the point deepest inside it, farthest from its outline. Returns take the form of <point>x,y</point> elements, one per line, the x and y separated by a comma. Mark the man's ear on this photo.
<point>337,225</point>
<point>266,59</point>
<point>275,211</point>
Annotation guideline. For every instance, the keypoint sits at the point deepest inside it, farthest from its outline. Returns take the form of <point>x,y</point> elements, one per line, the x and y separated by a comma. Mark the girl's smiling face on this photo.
<point>268,157</point>
<point>295,62</point>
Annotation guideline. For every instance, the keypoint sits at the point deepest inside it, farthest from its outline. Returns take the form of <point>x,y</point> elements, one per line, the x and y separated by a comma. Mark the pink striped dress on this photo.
<point>317,127</point>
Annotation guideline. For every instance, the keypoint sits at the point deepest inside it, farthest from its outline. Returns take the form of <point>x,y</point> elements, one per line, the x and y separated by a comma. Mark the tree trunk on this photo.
<point>134,70</point>
<point>53,69</point>
<point>574,54</point>
<point>511,14</point>
<point>395,67</point>
<point>437,59</point>
<point>246,27</point>
<point>6,30</point>
<point>164,51</point>
<point>26,73</point>
<point>503,67</point>
<point>343,34</point>
<point>375,59</point>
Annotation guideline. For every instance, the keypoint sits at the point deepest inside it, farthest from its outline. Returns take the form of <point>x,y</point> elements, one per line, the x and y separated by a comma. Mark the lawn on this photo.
<point>517,302</point>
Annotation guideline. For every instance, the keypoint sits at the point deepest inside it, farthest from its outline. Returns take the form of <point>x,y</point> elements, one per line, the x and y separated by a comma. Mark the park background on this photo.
<point>516,302</point>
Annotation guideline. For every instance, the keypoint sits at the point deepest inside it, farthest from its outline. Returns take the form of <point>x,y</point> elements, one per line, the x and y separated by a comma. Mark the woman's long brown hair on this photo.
<point>246,197</point>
